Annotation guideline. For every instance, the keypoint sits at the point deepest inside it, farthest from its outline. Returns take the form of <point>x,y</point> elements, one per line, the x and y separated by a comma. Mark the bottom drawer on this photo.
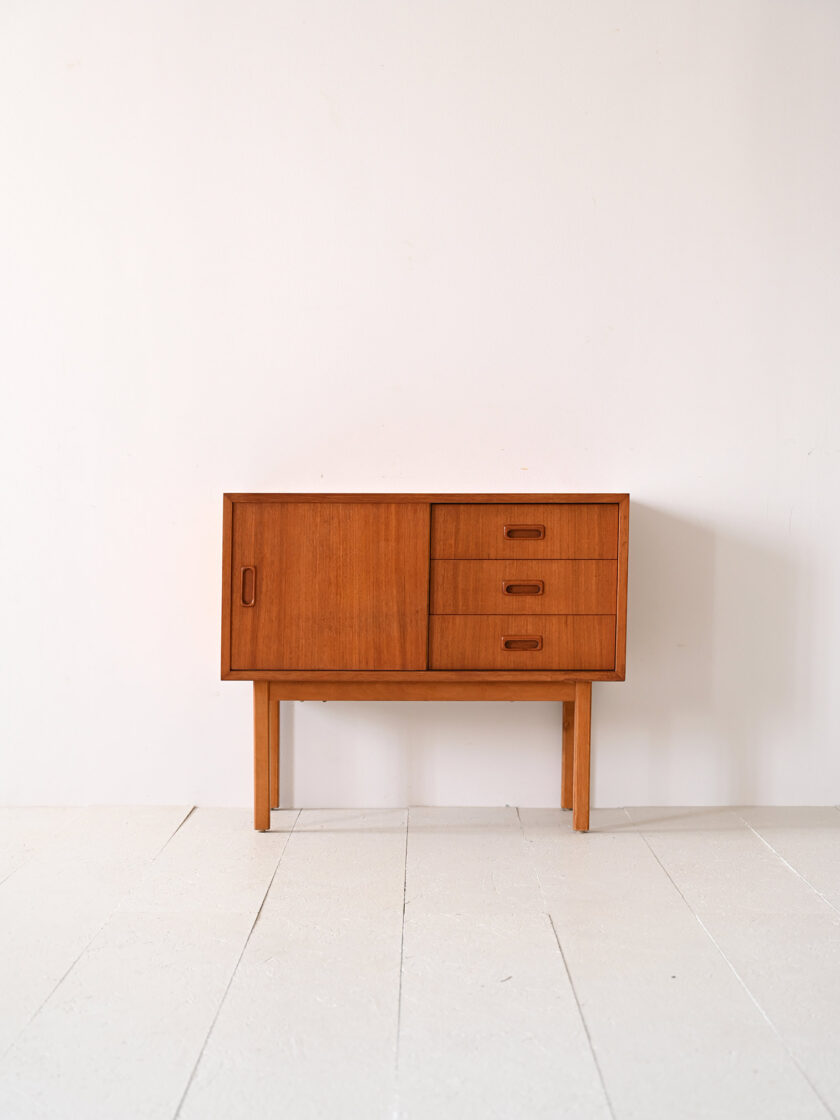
<point>559,642</point>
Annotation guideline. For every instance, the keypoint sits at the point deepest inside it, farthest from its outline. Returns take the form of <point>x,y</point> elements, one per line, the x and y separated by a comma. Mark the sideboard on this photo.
<point>425,597</point>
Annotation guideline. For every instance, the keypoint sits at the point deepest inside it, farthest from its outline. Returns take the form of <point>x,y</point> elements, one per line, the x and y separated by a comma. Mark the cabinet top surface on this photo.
<point>436,498</point>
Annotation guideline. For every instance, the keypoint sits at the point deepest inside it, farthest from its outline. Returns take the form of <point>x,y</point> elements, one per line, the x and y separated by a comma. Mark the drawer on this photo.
<point>559,531</point>
<point>523,587</point>
<point>562,643</point>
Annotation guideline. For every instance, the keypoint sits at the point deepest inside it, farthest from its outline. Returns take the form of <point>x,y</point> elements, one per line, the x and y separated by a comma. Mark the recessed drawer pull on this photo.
<point>531,587</point>
<point>524,532</point>
<point>521,641</point>
<point>248,586</point>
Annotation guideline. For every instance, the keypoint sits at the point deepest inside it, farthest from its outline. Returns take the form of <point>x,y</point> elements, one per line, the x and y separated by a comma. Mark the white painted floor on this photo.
<point>431,963</point>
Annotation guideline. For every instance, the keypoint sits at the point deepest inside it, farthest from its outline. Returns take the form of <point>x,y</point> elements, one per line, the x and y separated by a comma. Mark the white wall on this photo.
<point>312,245</point>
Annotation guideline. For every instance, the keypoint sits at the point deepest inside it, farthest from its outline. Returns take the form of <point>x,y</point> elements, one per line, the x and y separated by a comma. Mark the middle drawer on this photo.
<point>523,587</point>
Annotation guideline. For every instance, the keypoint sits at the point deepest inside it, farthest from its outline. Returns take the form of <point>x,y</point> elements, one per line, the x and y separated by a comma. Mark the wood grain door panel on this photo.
<point>484,531</point>
<point>330,586</point>
<point>566,643</point>
<point>524,586</point>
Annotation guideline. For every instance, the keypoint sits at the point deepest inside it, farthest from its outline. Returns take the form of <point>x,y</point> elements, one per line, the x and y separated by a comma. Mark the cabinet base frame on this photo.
<point>576,697</point>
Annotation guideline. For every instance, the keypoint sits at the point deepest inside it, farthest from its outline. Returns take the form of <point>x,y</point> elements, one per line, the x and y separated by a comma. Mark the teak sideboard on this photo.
<point>424,597</point>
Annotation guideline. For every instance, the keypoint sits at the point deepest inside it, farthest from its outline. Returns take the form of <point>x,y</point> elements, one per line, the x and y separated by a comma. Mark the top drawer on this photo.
<point>562,531</point>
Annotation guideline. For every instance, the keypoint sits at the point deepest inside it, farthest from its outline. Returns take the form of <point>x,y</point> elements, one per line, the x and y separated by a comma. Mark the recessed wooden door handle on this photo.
<point>247,586</point>
<point>524,587</point>
<point>524,532</point>
<point>522,641</point>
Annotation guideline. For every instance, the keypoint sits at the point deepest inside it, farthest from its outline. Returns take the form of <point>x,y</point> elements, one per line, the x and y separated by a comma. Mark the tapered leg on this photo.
<point>262,808</point>
<point>568,754</point>
<point>274,752</point>
<point>583,720</point>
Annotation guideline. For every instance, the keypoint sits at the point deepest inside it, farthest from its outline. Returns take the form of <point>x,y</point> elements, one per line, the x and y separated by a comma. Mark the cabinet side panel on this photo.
<point>334,586</point>
<point>227,533</point>
<point>621,598</point>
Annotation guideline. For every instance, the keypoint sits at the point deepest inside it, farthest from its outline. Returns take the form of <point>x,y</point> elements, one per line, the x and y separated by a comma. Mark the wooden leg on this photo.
<point>568,754</point>
<point>274,752</point>
<point>262,808</point>
<point>583,719</point>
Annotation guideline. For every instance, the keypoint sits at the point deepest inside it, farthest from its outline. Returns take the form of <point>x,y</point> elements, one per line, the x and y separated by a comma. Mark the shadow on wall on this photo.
<point>420,753</point>
<point>703,717</point>
<point>711,655</point>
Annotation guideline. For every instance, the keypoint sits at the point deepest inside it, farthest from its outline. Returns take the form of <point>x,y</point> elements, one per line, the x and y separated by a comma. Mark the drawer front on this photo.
<point>560,643</point>
<point>561,531</point>
<point>523,586</point>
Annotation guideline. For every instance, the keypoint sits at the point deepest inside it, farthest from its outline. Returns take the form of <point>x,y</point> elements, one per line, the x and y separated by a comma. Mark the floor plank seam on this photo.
<point>52,991</point>
<point>582,1017</point>
<point>38,850</point>
<point>169,839</point>
<point>395,1111</point>
<point>790,867</point>
<point>528,844</point>
<point>84,949</point>
<point>234,970</point>
<point>740,979</point>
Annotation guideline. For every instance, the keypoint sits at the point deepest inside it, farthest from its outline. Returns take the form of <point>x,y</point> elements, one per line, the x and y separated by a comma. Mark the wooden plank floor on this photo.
<point>432,963</point>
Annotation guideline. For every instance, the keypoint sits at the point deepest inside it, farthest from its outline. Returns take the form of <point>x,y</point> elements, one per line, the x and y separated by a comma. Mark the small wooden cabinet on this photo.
<point>424,597</point>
